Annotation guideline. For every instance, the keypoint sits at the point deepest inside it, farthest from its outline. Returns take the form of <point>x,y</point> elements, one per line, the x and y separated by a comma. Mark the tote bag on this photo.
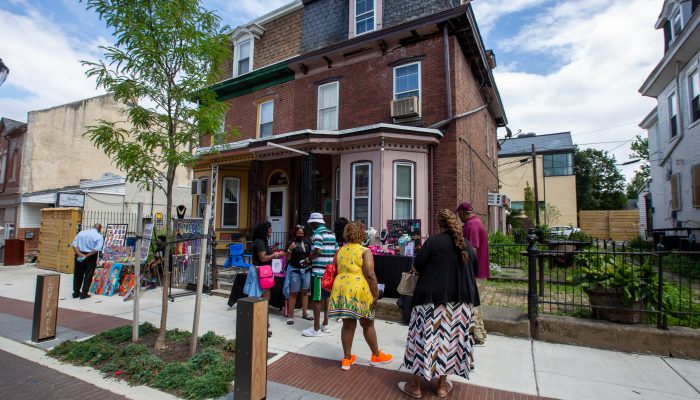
<point>408,283</point>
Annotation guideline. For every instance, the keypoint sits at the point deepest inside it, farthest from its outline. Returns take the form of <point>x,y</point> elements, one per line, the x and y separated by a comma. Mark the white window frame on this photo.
<point>420,84</point>
<point>337,193</point>
<point>237,55</point>
<point>413,188</point>
<point>369,190</point>
<point>337,105</point>
<point>223,202</point>
<point>259,123</point>
<point>202,199</point>
<point>694,75</point>
<point>354,18</point>
<point>672,104</point>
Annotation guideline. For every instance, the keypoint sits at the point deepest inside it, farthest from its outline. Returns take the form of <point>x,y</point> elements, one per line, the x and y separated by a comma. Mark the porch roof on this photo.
<point>388,131</point>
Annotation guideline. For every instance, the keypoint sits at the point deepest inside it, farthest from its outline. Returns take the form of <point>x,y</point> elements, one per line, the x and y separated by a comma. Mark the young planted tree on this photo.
<point>640,150</point>
<point>529,201</point>
<point>166,55</point>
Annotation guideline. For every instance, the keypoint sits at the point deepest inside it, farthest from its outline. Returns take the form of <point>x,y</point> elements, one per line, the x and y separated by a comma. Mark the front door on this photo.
<point>277,213</point>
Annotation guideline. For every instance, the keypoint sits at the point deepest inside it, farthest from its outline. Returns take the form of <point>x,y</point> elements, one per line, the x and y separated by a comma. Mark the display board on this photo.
<point>146,240</point>
<point>187,250</point>
<point>115,256</point>
<point>396,227</point>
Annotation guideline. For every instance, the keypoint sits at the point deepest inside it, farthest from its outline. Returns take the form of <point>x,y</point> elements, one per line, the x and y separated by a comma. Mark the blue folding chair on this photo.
<point>236,258</point>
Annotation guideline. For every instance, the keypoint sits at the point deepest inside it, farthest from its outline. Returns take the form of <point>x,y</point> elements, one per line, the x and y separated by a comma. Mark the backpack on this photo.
<point>265,277</point>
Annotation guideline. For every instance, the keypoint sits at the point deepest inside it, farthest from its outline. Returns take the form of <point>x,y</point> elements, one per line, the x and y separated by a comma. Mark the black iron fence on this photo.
<point>621,285</point>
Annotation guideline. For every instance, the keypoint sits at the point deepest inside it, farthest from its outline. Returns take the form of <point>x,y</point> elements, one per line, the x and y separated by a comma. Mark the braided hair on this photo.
<point>448,221</point>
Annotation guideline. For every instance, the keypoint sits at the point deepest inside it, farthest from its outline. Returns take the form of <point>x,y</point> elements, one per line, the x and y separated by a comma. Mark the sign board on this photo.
<point>45,307</point>
<point>71,200</point>
<point>146,241</point>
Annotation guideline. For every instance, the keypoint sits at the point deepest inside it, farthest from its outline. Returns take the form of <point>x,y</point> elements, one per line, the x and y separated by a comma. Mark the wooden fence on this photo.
<point>613,224</point>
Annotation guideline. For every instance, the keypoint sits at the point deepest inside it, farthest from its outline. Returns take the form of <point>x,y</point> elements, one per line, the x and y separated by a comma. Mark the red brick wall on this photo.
<point>295,102</point>
<point>281,40</point>
<point>31,246</point>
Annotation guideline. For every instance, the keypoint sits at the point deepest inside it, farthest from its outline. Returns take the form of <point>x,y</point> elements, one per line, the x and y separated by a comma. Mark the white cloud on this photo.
<point>235,13</point>
<point>607,49</point>
<point>44,64</point>
<point>488,12</point>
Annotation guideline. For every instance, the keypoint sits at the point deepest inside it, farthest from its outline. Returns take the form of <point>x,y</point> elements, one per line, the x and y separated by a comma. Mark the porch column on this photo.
<point>254,195</point>
<point>307,192</point>
<point>211,249</point>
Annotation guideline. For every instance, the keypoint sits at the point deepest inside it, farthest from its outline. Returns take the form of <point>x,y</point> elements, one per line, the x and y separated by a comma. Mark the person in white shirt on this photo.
<point>86,245</point>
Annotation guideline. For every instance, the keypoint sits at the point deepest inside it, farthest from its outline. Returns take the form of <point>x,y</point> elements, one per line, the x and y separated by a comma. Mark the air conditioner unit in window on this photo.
<point>404,108</point>
<point>494,199</point>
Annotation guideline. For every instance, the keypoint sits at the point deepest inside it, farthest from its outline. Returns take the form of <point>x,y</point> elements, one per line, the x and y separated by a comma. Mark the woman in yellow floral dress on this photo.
<point>354,295</point>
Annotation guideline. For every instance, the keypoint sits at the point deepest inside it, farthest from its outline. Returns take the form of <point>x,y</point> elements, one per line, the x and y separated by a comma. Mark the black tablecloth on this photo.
<point>388,270</point>
<point>276,296</point>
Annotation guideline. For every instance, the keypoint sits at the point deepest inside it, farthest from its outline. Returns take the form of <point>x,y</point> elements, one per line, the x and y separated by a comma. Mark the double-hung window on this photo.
<point>672,114</point>
<point>403,190</point>
<point>694,95</point>
<point>362,192</point>
<point>327,118</point>
<point>364,16</point>
<point>202,198</point>
<point>676,24</point>
<point>242,62</point>
<point>231,199</point>
<point>266,112</point>
<point>407,81</point>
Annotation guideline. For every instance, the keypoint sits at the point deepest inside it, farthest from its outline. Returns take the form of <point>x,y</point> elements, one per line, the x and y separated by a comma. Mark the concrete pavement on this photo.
<point>510,364</point>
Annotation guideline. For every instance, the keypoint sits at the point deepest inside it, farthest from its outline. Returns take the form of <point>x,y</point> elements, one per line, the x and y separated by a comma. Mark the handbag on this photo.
<point>329,275</point>
<point>265,277</point>
<point>408,283</point>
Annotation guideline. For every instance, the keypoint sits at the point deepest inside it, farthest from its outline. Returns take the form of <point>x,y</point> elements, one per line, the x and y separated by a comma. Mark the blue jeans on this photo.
<point>299,280</point>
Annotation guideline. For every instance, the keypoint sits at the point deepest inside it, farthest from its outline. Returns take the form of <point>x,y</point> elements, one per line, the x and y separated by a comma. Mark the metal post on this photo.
<point>537,195</point>
<point>200,281</point>
<point>137,272</point>
<point>540,263</point>
<point>661,322</point>
<point>532,280</point>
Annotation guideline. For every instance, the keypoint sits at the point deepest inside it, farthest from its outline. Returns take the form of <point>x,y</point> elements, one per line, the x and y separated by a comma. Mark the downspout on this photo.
<point>7,160</point>
<point>431,189</point>
<point>448,77</point>
<point>431,148</point>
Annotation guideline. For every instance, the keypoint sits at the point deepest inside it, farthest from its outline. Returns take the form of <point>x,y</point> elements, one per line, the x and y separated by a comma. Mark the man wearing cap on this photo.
<point>323,248</point>
<point>475,233</point>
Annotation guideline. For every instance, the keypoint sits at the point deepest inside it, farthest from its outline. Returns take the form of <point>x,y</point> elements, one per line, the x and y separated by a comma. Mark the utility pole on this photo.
<point>534,176</point>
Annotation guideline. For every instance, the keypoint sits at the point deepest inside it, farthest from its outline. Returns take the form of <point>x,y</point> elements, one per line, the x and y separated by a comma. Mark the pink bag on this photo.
<point>265,277</point>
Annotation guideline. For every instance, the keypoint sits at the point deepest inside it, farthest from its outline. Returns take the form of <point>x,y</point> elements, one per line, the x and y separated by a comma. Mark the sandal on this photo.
<point>442,392</point>
<point>290,321</point>
<point>308,318</point>
<point>402,387</point>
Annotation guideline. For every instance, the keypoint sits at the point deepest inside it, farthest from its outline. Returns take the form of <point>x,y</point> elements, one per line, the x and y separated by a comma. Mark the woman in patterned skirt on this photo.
<point>439,339</point>
<point>354,295</point>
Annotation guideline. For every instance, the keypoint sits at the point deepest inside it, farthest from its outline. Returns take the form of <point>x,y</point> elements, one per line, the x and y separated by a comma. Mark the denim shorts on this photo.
<point>299,280</point>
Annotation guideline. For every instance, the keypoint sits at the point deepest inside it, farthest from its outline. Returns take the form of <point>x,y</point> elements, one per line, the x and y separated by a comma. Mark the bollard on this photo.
<point>251,349</point>
<point>45,307</point>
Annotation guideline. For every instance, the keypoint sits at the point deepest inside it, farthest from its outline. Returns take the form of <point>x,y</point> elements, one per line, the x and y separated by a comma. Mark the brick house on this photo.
<point>12,137</point>
<point>371,110</point>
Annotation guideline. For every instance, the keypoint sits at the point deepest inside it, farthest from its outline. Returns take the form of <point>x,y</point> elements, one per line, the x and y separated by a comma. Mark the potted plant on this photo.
<point>618,289</point>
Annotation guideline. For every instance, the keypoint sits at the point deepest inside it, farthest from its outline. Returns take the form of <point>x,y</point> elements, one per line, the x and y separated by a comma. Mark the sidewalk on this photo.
<point>518,366</point>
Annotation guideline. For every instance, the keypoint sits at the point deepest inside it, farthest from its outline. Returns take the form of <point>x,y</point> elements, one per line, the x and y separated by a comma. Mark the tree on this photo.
<point>166,55</point>
<point>599,183</point>
<point>529,203</point>
<point>640,150</point>
<point>551,214</point>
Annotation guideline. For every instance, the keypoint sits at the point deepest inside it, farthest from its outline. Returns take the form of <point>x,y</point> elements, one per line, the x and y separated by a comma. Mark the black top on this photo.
<point>258,246</point>
<point>300,252</point>
<point>444,277</point>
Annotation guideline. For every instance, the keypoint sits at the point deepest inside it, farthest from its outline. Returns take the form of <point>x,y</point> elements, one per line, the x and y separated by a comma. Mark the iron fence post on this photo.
<point>661,322</point>
<point>532,280</point>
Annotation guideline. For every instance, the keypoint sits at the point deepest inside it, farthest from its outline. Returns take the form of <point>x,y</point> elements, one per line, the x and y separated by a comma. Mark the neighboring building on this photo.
<point>368,110</point>
<point>58,157</point>
<point>674,124</point>
<point>556,182</point>
<point>12,136</point>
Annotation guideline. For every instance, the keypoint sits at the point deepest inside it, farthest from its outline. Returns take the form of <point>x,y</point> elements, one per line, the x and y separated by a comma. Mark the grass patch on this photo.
<point>207,374</point>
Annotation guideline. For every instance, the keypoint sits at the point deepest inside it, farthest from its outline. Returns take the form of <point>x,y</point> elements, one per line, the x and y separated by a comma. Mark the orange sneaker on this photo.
<point>347,363</point>
<point>380,359</point>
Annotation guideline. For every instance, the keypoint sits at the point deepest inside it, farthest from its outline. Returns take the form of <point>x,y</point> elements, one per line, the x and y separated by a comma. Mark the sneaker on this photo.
<point>345,364</point>
<point>380,359</point>
<point>311,332</point>
<point>325,329</point>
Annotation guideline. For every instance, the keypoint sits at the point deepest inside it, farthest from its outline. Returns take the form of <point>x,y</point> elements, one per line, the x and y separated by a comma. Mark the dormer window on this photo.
<point>676,24</point>
<point>364,16</point>
<point>242,61</point>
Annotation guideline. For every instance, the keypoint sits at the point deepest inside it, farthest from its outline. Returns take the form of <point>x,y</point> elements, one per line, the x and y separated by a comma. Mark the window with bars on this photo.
<point>202,199</point>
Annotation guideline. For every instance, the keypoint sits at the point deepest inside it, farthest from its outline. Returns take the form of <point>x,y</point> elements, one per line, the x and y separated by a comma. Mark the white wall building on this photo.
<point>674,125</point>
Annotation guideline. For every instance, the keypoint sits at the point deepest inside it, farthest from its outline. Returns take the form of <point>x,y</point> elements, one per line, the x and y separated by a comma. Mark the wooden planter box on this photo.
<point>635,313</point>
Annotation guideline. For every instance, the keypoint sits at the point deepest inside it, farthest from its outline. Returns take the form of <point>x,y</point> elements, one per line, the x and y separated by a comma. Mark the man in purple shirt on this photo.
<point>475,233</point>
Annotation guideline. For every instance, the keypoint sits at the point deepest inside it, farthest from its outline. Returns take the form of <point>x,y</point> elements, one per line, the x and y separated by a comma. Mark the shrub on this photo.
<point>143,368</point>
<point>176,335</point>
<point>206,387</point>
<point>174,376</point>
<point>204,359</point>
<point>212,339</point>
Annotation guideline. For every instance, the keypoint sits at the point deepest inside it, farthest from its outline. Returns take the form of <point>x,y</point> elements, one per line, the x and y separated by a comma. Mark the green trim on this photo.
<point>262,78</point>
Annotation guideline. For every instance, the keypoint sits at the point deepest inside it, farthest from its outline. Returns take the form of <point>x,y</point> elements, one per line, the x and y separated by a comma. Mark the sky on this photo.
<point>563,65</point>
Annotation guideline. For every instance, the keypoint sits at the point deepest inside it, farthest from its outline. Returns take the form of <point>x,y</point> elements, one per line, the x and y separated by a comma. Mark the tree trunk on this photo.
<point>160,341</point>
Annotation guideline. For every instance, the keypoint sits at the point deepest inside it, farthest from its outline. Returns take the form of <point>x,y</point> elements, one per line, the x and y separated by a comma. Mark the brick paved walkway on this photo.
<point>362,382</point>
<point>23,379</point>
